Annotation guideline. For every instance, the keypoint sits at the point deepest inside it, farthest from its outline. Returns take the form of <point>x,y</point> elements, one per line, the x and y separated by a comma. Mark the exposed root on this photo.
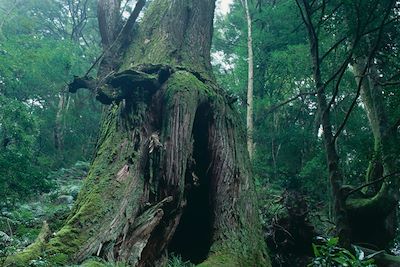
<point>32,252</point>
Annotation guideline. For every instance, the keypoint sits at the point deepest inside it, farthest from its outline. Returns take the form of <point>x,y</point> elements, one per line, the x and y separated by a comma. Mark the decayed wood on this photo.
<point>118,86</point>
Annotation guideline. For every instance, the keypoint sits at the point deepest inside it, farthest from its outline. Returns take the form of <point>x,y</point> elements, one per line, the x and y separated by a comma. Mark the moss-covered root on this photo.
<point>32,252</point>
<point>232,259</point>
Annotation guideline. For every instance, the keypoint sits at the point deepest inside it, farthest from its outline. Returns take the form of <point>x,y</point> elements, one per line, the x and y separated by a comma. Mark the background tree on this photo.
<point>290,152</point>
<point>250,82</point>
<point>352,215</point>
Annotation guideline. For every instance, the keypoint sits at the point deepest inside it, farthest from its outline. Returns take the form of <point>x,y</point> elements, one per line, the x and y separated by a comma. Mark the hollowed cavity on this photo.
<point>192,239</point>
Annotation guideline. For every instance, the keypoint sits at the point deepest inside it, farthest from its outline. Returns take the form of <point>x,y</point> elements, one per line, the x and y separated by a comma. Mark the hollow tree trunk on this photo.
<point>171,172</point>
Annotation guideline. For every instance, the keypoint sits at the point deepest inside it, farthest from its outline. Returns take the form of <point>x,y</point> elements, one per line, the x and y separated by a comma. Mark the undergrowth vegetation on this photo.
<point>328,253</point>
<point>21,223</point>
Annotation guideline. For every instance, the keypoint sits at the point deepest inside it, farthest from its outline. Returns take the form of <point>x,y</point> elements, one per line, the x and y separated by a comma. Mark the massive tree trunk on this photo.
<point>171,172</point>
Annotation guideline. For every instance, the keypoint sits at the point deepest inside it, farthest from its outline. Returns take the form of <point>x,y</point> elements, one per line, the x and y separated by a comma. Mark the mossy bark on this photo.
<point>164,138</point>
<point>374,218</point>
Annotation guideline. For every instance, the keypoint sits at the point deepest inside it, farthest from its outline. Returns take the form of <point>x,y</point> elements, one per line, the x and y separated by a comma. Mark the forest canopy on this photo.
<point>199,132</point>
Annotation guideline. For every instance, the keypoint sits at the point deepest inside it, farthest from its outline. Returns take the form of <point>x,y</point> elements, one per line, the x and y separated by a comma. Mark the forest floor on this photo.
<point>289,226</point>
<point>21,223</point>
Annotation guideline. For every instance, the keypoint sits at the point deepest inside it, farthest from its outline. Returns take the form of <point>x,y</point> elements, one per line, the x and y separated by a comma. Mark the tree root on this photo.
<point>32,252</point>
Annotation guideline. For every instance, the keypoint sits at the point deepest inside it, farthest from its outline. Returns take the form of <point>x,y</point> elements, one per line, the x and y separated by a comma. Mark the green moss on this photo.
<point>381,204</point>
<point>65,242</point>
<point>100,198</point>
<point>220,260</point>
<point>150,45</point>
<point>187,87</point>
<point>59,259</point>
<point>97,262</point>
<point>32,252</point>
<point>240,248</point>
<point>22,259</point>
<point>93,263</point>
<point>154,45</point>
<point>99,188</point>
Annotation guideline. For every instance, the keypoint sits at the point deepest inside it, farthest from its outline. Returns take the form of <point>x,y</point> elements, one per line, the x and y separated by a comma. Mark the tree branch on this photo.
<point>273,108</point>
<point>115,87</point>
<point>371,183</point>
<point>333,47</point>
<point>387,83</point>
<point>370,57</point>
<point>79,82</point>
<point>126,32</point>
<point>123,37</point>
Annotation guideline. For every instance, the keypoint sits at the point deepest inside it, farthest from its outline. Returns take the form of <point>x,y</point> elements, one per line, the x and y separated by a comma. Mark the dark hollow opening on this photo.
<point>192,239</point>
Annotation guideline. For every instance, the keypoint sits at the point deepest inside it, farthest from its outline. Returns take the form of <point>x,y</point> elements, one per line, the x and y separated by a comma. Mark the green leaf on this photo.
<point>333,241</point>
<point>316,250</point>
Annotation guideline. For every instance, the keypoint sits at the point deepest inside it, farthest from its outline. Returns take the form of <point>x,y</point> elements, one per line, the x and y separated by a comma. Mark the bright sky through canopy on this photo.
<point>223,6</point>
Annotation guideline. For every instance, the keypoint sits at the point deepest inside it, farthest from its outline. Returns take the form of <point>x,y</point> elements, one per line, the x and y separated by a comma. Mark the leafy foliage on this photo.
<point>290,151</point>
<point>329,254</point>
<point>20,177</point>
<point>41,49</point>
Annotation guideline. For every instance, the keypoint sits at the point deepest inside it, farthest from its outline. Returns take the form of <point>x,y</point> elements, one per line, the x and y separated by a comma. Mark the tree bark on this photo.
<point>250,81</point>
<point>171,172</point>
<point>109,20</point>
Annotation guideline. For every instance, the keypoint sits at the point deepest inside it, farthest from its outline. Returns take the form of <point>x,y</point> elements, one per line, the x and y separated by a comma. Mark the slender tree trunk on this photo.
<point>59,125</point>
<point>171,172</point>
<point>250,81</point>
<point>343,229</point>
